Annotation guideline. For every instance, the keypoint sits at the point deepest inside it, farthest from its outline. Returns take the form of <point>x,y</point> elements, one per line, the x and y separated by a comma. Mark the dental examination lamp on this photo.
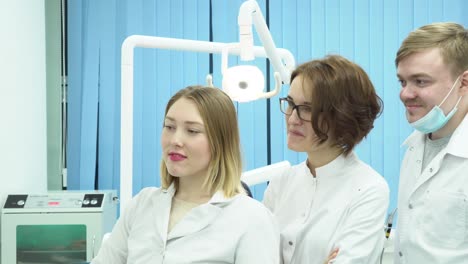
<point>245,83</point>
<point>242,83</point>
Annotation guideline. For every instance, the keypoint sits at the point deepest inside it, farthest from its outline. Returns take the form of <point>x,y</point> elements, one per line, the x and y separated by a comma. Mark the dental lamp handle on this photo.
<point>225,54</point>
<point>277,89</point>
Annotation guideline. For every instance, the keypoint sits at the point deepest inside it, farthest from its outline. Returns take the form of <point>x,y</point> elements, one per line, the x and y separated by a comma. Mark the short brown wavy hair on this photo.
<point>343,100</point>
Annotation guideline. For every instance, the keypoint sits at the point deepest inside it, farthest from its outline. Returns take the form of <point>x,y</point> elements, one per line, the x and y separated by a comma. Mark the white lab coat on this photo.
<point>433,205</point>
<point>224,230</point>
<point>344,206</point>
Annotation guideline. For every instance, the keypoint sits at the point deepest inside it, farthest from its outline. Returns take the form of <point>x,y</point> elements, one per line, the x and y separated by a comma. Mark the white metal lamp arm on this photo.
<point>126,114</point>
<point>250,13</point>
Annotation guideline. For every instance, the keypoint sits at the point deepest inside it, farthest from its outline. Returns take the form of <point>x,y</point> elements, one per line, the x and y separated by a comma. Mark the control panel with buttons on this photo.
<point>60,199</point>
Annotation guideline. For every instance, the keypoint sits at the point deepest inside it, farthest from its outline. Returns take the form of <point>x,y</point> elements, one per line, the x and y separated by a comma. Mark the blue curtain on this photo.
<point>368,32</point>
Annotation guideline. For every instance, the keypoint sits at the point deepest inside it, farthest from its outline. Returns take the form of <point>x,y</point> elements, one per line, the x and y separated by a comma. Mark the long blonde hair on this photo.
<point>219,117</point>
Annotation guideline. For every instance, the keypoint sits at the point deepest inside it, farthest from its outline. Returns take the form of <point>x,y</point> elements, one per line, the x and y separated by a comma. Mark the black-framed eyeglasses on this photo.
<point>287,106</point>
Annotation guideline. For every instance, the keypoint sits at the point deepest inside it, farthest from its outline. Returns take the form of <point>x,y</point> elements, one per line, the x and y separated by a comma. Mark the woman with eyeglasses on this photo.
<point>330,208</point>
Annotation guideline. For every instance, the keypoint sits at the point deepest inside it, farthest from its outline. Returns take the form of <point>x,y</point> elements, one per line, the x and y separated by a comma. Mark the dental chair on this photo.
<point>247,189</point>
<point>264,174</point>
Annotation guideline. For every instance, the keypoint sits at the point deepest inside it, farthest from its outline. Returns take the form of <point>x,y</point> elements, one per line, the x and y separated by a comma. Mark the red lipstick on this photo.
<point>176,156</point>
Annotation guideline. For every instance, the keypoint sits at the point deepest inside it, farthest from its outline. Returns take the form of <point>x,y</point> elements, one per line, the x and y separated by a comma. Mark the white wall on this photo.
<point>23,155</point>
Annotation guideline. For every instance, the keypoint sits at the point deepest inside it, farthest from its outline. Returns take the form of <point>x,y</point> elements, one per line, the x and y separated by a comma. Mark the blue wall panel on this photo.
<point>107,99</point>
<point>391,121</point>
<point>75,65</point>
<point>366,31</point>
<point>277,124</point>
<point>149,164</point>
<point>347,33</point>
<point>90,92</point>
<point>376,72</point>
<point>359,36</point>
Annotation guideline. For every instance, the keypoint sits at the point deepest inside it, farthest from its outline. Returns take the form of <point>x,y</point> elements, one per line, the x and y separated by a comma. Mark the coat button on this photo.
<point>410,206</point>
<point>290,243</point>
<point>430,170</point>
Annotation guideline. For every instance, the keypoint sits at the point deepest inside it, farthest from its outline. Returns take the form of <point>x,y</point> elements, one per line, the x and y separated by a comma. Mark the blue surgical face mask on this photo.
<point>436,119</point>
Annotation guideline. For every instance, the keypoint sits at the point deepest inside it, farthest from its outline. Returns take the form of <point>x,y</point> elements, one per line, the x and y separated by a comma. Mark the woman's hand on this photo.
<point>332,256</point>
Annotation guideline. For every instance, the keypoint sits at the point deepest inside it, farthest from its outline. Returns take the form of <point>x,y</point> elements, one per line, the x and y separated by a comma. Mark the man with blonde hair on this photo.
<point>432,67</point>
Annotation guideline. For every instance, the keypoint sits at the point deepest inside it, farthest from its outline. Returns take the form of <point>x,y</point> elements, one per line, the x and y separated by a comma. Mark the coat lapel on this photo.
<point>415,144</point>
<point>454,147</point>
<point>162,207</point>
<point>199,217</point>
<point>431,169</point>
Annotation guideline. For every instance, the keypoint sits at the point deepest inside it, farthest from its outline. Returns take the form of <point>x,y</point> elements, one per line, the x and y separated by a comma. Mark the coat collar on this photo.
<point>457,144</point>
<point>197,219</point>
<point>217,198</point>
<point>332,169</point>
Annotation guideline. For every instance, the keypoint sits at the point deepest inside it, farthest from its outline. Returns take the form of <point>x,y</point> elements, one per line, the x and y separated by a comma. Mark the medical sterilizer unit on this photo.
<point>57,226</point>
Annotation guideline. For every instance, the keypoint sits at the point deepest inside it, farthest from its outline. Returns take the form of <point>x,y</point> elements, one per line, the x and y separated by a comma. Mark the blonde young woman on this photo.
<point>201,213</point>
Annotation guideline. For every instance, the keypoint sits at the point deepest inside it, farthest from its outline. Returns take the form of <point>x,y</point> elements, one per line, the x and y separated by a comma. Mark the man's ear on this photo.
<point>464,83</point>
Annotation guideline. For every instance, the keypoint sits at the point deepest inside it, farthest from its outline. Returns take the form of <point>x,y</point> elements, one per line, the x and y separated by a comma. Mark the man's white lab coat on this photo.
<point>433,204</point>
